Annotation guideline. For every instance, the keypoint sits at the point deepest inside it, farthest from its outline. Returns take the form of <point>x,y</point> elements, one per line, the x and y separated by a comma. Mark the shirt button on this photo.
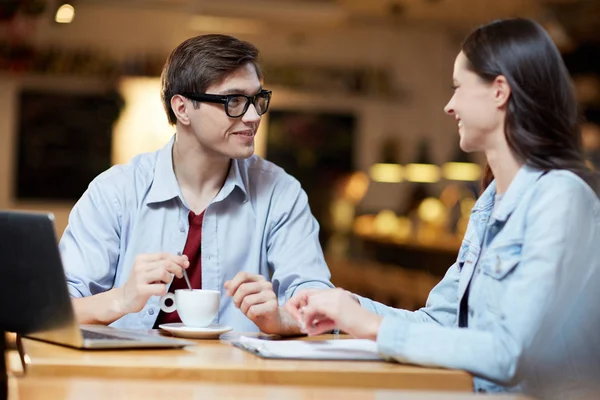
<point>151,311</point>
<point>471,312</point>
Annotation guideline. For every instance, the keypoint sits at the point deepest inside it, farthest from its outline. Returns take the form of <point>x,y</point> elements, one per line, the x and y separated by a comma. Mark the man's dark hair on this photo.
<point>202,61</point>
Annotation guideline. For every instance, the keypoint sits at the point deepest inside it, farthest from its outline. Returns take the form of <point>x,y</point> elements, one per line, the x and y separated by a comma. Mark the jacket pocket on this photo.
<point>501,260</point>
<point>497,267</point>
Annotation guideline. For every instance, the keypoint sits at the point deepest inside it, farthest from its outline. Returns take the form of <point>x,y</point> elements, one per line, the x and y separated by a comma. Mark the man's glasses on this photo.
<point>236,105</point>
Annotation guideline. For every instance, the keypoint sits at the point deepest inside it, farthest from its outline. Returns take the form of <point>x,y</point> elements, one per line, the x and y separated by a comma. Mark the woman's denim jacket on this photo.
<point>534,303</point>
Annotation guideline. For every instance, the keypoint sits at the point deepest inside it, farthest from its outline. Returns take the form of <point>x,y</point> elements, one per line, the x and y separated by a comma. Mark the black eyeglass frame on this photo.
<point>226,98</point>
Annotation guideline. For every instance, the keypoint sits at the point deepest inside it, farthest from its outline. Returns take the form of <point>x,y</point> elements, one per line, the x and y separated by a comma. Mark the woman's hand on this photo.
<point>322,310</point>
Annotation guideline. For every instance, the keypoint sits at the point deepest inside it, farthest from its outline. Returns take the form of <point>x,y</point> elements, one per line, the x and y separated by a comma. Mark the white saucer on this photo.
<point>208,332</point>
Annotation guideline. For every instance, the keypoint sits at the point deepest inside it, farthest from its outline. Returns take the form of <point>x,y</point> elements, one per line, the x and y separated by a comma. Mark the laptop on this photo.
<point>34,299</point>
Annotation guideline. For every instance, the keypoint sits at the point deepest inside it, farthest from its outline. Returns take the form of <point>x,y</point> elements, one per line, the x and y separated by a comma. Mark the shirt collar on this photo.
<point>237,177</point>
<point>165,186</point>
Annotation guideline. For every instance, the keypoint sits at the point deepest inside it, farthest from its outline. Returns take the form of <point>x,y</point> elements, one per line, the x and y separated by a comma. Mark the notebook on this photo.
<point>345,349</point>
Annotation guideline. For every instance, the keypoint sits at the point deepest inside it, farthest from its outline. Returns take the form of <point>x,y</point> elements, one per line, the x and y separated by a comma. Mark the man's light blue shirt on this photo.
<point>260,222</point>
<point>534,306</point>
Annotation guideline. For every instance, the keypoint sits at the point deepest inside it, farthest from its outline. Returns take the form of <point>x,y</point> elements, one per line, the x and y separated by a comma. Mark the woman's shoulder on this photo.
<point>560,182</point>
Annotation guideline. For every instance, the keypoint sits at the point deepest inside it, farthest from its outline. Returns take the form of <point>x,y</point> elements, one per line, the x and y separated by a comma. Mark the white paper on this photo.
<point>343,349</point>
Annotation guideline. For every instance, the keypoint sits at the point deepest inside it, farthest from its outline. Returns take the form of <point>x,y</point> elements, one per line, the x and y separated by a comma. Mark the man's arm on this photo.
<point>90,249</point>
<point>294,255</point>
<point>294,252</point>
<point>103,308</point>
<point>150,276</point>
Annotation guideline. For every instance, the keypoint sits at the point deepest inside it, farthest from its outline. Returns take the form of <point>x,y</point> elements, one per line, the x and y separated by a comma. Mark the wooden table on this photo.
<point>218,361</point>
<point>141,389</point>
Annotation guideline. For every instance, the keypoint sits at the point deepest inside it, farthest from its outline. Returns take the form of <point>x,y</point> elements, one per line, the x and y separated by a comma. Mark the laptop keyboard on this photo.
<point>102,336</point>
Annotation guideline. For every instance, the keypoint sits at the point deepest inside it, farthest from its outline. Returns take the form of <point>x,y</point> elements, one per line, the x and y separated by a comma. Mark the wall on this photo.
<point>421,60</point>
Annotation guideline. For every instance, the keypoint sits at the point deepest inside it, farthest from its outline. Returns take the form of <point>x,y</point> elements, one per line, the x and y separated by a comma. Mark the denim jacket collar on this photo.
<point>521,183</point>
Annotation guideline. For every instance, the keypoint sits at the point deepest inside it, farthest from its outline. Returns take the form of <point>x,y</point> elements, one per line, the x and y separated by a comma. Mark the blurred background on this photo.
<point>356,115</point>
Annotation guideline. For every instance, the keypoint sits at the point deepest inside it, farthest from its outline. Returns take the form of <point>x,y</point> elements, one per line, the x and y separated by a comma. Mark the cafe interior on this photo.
<point>356,116</point>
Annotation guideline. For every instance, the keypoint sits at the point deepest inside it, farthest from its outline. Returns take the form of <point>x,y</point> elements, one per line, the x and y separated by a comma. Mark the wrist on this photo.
<point>373,326</point>
<point>103,308</point>
<point>353,296</point>
<point>287,324</point>
<point>117,306</point>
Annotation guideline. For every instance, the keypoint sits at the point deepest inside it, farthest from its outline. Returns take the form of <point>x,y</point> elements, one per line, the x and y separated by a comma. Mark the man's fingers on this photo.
<point>156,289</point>
<point>249,288</point>
<point>157,275</point>
<point>255,299</point>
<point>173,268</point>
<point>240,278</point>
<point>258,310</point>
<point>165,265</point>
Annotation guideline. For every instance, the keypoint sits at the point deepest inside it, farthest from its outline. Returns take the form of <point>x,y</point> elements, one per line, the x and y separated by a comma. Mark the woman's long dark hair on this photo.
<point>542,120</point>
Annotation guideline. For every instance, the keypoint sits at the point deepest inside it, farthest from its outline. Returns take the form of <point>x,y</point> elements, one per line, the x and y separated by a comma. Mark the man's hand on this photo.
<point>254,296</point>
<point>150,276</point>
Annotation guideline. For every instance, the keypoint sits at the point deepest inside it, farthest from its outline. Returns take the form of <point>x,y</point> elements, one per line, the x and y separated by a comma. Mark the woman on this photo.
<point>520,307</point>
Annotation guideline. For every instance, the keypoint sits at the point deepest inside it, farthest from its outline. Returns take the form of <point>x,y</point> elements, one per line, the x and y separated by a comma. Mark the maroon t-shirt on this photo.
<point>193,251</point>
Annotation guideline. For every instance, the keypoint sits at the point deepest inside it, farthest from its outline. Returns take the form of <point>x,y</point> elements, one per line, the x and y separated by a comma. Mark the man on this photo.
<point>204,203</point>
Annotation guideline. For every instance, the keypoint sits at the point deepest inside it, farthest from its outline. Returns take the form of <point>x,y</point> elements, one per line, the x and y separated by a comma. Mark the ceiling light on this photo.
<point>65,14</point>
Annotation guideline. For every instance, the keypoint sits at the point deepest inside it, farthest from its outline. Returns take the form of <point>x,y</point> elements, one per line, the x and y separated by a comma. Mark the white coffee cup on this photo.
<point>197,307</point>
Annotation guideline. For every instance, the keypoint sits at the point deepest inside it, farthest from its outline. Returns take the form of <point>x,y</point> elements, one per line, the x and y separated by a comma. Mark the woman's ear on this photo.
<point>501,91</point>
<point>180,108</point>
